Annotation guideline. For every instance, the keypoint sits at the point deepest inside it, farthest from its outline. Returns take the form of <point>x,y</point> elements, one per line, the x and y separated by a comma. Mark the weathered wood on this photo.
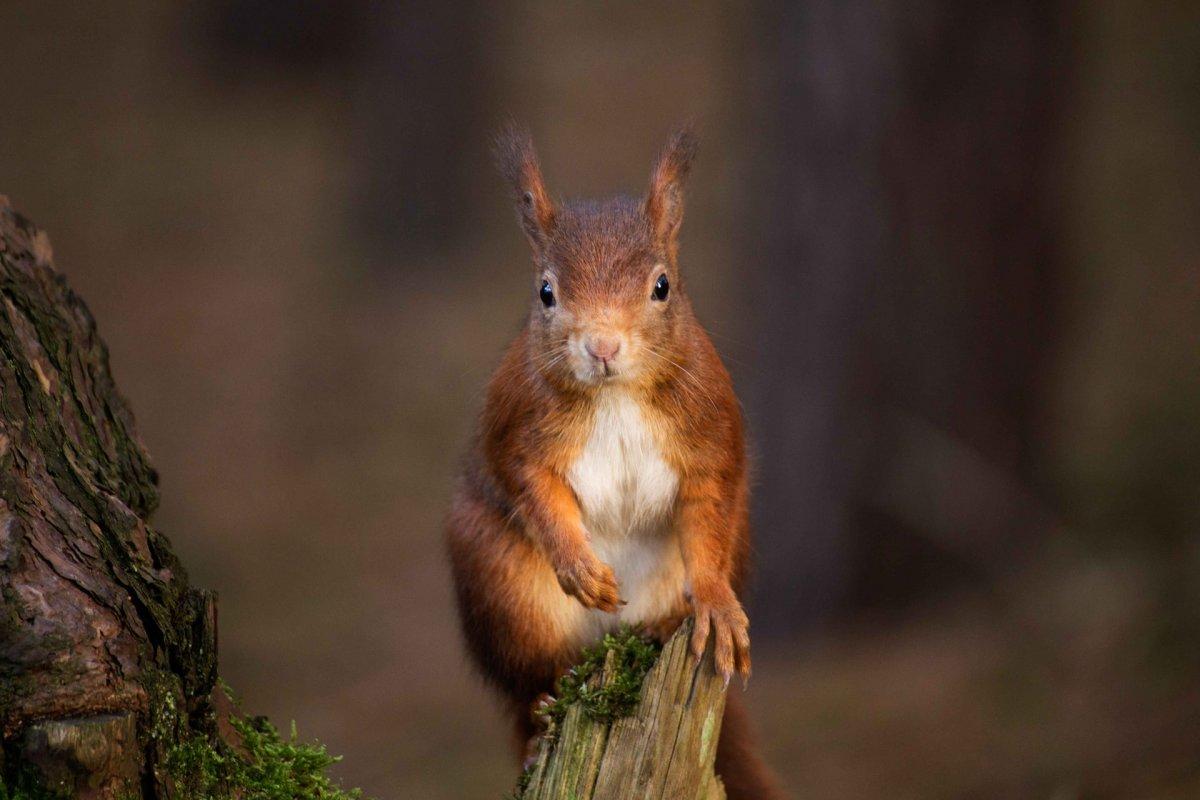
<point>106,654</point>
<point>664,751</point>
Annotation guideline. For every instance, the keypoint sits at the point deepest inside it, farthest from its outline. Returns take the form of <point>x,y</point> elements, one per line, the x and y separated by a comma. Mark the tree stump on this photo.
<point>106,653</point>
<point>664,751</point>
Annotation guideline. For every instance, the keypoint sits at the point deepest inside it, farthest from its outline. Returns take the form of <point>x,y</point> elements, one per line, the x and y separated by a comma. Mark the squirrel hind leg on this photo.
<point>529,726</point>
<point>525,734</point>
<point>529,737</point>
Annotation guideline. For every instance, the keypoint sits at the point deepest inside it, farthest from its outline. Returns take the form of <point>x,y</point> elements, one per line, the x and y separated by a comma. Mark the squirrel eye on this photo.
<point>661,288</point>
<point>547,294</point>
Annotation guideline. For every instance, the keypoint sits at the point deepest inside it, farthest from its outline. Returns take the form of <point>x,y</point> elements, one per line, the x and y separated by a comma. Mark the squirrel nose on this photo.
<point>603,347</point>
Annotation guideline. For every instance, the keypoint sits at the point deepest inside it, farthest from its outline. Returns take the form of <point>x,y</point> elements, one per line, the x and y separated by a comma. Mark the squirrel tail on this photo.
<point>745,775</point>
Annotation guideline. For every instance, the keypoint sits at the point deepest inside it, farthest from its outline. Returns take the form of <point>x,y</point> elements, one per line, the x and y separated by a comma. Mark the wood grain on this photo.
<point>664,751</point>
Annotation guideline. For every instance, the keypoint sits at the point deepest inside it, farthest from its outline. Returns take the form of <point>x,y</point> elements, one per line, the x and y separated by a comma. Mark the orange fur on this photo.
<point>570,443</point>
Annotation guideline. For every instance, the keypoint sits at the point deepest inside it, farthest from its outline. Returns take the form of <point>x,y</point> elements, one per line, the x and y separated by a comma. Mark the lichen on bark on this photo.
<point>94,606</point>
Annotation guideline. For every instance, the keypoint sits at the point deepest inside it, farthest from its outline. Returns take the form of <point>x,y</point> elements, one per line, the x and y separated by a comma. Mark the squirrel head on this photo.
<point>606,305</point>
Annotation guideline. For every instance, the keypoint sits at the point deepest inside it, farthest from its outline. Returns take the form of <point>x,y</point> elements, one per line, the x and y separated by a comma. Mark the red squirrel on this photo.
<point>606,484</point>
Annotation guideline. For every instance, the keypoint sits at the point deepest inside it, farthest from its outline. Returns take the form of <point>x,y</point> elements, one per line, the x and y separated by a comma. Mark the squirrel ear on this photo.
<point>518,162</point>
<point>664,203</point>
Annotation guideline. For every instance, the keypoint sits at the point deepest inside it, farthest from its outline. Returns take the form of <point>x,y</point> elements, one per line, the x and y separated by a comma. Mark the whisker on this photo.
<point>696,382</point>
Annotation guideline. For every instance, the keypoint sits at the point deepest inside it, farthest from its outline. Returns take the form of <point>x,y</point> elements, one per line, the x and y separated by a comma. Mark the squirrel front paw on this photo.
<point>721,613</point>
<point>590,581</point>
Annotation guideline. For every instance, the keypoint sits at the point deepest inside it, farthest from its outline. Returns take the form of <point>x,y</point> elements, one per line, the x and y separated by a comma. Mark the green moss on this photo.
<point>618,695</point>
<point>265,766</point>
<point>25,785</point>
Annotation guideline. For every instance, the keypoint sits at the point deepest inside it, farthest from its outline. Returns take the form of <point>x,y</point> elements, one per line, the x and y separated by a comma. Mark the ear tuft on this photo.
<point>664,202</point>
<point>518,163</point>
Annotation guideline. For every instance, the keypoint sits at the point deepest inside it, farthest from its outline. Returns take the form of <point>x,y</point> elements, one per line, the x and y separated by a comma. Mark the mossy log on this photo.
<point>664,750</point>
<point>107,655</point>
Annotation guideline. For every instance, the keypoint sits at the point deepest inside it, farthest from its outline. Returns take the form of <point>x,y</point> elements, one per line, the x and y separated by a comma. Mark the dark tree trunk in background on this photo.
<point>413,78</point>
<point>105,652</point>
<point>417,106</point>
<point>908,297</point>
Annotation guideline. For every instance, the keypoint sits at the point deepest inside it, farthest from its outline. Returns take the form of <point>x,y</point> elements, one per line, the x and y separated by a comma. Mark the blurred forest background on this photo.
<point>950,252</point>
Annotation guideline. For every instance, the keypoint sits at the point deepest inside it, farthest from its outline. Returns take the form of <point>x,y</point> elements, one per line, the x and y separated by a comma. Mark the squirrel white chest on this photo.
<point>626,492</point>
<point>624,486</point>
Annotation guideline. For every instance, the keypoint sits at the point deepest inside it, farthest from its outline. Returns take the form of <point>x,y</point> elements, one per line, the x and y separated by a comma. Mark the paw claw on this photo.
<point>730,630</point>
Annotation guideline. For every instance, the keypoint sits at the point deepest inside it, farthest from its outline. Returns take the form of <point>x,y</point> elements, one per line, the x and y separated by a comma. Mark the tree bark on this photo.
<point>107,655</point>
<point>663,751</point>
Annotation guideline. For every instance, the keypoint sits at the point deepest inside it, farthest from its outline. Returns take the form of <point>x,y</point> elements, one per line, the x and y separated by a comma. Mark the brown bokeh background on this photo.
<point>949,253</point>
